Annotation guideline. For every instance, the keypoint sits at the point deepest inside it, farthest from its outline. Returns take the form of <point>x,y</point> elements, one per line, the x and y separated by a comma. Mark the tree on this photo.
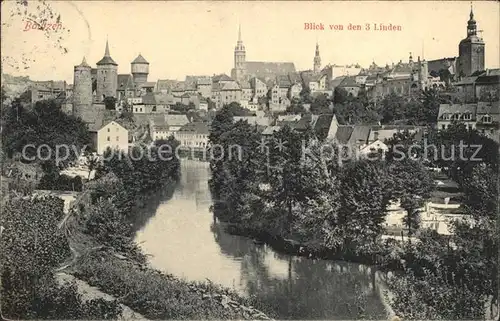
<point>35,247</point>
<point>110,103</point>
<point>412,185</point>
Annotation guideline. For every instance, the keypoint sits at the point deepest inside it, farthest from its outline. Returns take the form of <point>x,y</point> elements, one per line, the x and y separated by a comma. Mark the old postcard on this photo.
<point>254,160</point>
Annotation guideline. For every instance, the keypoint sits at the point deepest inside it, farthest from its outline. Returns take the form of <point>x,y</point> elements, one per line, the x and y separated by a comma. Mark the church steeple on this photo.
<point>239,58</point>
<point>317,59</point>
<point>471,24</point>
<point>106,52</point>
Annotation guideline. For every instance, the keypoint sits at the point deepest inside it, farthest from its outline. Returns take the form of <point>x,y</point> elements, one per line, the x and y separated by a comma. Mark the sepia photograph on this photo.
<point>249,160</point>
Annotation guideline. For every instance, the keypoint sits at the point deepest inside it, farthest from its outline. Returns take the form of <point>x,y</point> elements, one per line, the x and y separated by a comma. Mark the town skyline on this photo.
<point>208,44</point>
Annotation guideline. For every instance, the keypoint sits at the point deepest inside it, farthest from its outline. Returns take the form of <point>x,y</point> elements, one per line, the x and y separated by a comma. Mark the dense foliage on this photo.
<point>285,188</point>
<point>44,124</point>
<point>33,246</point>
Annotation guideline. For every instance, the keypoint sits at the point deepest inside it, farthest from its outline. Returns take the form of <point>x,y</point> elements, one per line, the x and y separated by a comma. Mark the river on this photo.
<point>183,240</point>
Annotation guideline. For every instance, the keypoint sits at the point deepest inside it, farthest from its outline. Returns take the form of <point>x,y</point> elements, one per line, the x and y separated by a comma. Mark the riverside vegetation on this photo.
<point>322,208</point>
<point>94,241</point>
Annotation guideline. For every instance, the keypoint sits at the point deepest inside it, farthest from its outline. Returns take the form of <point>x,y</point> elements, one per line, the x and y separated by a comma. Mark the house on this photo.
<point>260,119</point>
<point>204,86</point>
<point>259,88</point>
<point>350,85</point>
<point>113,136</point>
<point>246,90</point>
<point>126,87</point>
<point>203,104</point>
<point>193,135</point>
<point>175,122</point>
<point>158,128</point>
<point>230,92</point>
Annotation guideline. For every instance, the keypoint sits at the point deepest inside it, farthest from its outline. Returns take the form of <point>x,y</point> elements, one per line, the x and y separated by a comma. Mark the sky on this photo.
<point>198,38</point>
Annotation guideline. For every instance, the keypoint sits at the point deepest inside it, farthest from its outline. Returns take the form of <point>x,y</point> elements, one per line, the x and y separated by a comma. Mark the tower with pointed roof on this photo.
<point>238,72</point>
<point>140,70</point>
<point>470,50</point>
<point>317,60</point>
<point>82,87</point>
<point>107,76</point>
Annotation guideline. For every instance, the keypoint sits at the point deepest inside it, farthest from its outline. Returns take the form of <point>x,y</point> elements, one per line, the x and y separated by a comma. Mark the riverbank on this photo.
<point>109,260</point>
<point>378,258</point>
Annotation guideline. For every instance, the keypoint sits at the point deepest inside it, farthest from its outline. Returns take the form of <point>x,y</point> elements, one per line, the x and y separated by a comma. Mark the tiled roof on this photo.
<point>165,84</point>
<point>125,82</point>
<point>349,82</point>
<point>268,70</point>
<point>176,120</point>
<point>107,60</point>
<point>216,86</point>
<point>231,86</point>
<point>445,109</point>
<point>164,99</point>
<point>140,60</point>
<point>204,81</point>
<point>283,81</point>
<point>360,134</point>
<point>196,127</point>
<point>253,120</point>
<point>343,133</point>
<point>488,108</point>
<point>149,99</point>
<point>148,84</point>
<point>221,77</point>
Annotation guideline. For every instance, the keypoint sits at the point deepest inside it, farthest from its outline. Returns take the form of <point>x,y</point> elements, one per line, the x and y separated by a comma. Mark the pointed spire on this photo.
<point>239,32</point>
<point>106,52</point>
<point>471,15</point>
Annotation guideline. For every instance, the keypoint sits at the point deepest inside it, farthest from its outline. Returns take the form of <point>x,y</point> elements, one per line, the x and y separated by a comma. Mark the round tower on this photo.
<point>107,76</point>
<point>471,50</point>
<point>140,70</point>
<point>82,88</point>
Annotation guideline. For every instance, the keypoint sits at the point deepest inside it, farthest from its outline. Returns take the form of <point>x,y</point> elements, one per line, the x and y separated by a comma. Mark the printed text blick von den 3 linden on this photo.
<point>352,26</point>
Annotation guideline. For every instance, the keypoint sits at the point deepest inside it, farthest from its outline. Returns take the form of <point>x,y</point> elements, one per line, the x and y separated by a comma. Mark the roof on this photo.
<point>164,99</point>
<point>466,81</point>
<point>360,134</point>
<point>221,77</point>
<point>488,80</point>
<point>125,82</point>
<point>253,120</point>
<point>111,122</point>
<point>488,108</point>
<point>231,86</point>
<point>445,109</point>
<point>148,84</point>
<point>283,81</point>
<point>140,60</point>
<point>204,81</point>
<point>176,120</point>
<point>165,84</point>
<point>107,60</point>
<point>149,99</point>
<point>289,117</point>
<point>349,82</point>
<point>444,63</point>
<point>343,133</point>
<point>383,134</point>
<point>268,70</point>
<point>336,82</point>
<point>196,127</point>
<point>158,123</point>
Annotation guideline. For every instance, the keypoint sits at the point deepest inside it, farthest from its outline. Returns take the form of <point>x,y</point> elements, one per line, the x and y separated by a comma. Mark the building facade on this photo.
<point>107,76</point>
<point>471,50</point>
<point>113,136</point>
<point>82,88</point>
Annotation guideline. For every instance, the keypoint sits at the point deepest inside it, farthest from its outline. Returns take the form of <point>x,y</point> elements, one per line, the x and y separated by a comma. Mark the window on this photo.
<point>117,138</point>
<point>470,127</point>
<point>108,130</point>
<point>486,119</point>
<point>109,139</point>
<point>467,116</point>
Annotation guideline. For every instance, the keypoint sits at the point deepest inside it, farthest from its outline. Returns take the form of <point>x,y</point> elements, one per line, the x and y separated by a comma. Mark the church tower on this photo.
<point>470,50</point>
<point>317,60</point>
<point>239,59</point>
<point>82,88</point>
<point>107,76</point>
<point>140,70</point>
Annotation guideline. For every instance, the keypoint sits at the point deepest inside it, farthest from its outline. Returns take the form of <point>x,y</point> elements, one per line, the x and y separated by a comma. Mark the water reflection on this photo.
<point>185,241</point>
